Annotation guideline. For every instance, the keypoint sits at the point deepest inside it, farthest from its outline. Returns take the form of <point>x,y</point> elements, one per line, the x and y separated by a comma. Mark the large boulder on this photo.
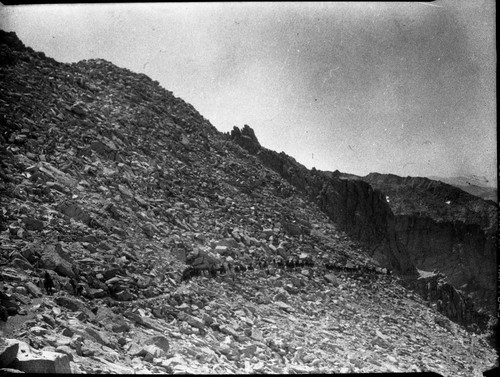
<point>74,305</point>
<point>33,289</point>
<point>332,279</point>
<point>159,341</point>
<point>8,351</point>
<point>29,360</point>
<point>33,224</point>
<point>21,263</point>
<point>202,261</point>
<point>111,321</point>
<point>75,212</point>
<point>144,321</point>
<point>193,321</point>
<point>123,295</point>
<point>53,258</point>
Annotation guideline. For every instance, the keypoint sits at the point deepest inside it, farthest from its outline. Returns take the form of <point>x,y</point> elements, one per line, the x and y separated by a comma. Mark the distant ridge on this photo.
<point>473,185</point>
<point>467,181</point>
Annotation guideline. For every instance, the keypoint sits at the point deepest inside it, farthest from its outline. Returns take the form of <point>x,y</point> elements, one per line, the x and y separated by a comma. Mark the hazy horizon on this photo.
<point>401,88</point>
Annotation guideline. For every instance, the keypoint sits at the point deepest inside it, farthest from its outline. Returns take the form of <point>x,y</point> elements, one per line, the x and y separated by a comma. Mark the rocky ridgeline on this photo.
<point>359,210</point>
<point>366,215</point>
<point>173,249</point>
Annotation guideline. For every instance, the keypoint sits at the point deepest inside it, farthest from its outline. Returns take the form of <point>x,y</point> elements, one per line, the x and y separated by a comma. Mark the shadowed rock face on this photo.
<point>445,229</point>
<point>457,250</point>
<point>364,214</point>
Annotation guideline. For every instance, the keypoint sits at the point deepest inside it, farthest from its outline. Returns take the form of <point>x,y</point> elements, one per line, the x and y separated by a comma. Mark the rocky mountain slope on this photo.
<point>111,183</point>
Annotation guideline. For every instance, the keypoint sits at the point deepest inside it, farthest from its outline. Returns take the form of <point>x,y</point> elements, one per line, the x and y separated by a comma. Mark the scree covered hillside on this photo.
<point>136,238</point>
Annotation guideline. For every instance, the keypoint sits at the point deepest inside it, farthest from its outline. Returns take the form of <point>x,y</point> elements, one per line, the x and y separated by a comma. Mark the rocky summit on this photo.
<point>136,238</point>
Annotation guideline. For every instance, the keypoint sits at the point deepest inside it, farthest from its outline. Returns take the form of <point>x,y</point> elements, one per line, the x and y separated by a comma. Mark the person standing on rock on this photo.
<point>4,314</point>
<point>79,289</point>
<point>3,319</point>
<point>48,283</point>
<point>8,307</point>
<point>74,284</point>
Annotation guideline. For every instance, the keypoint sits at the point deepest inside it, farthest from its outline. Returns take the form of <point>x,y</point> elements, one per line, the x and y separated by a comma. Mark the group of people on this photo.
<point>350,268</point>
<point>263,263</point>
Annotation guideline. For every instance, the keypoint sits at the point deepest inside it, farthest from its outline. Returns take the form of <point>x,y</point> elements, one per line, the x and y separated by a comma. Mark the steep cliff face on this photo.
<point>456,249</point>
<point>366,216</point>
<point>447,230</point>
<point>353,205</point>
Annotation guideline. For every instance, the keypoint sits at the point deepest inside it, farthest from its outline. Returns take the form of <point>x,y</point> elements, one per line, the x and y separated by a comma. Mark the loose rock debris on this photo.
<point>172,250</point>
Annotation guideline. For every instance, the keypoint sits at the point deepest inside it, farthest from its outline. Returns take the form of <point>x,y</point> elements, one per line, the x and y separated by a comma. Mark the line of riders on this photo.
<point>212,269</point>
<point>207,266</point>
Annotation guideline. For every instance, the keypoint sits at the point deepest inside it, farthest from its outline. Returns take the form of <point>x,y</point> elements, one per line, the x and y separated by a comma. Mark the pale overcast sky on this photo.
<point>405,88</point>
